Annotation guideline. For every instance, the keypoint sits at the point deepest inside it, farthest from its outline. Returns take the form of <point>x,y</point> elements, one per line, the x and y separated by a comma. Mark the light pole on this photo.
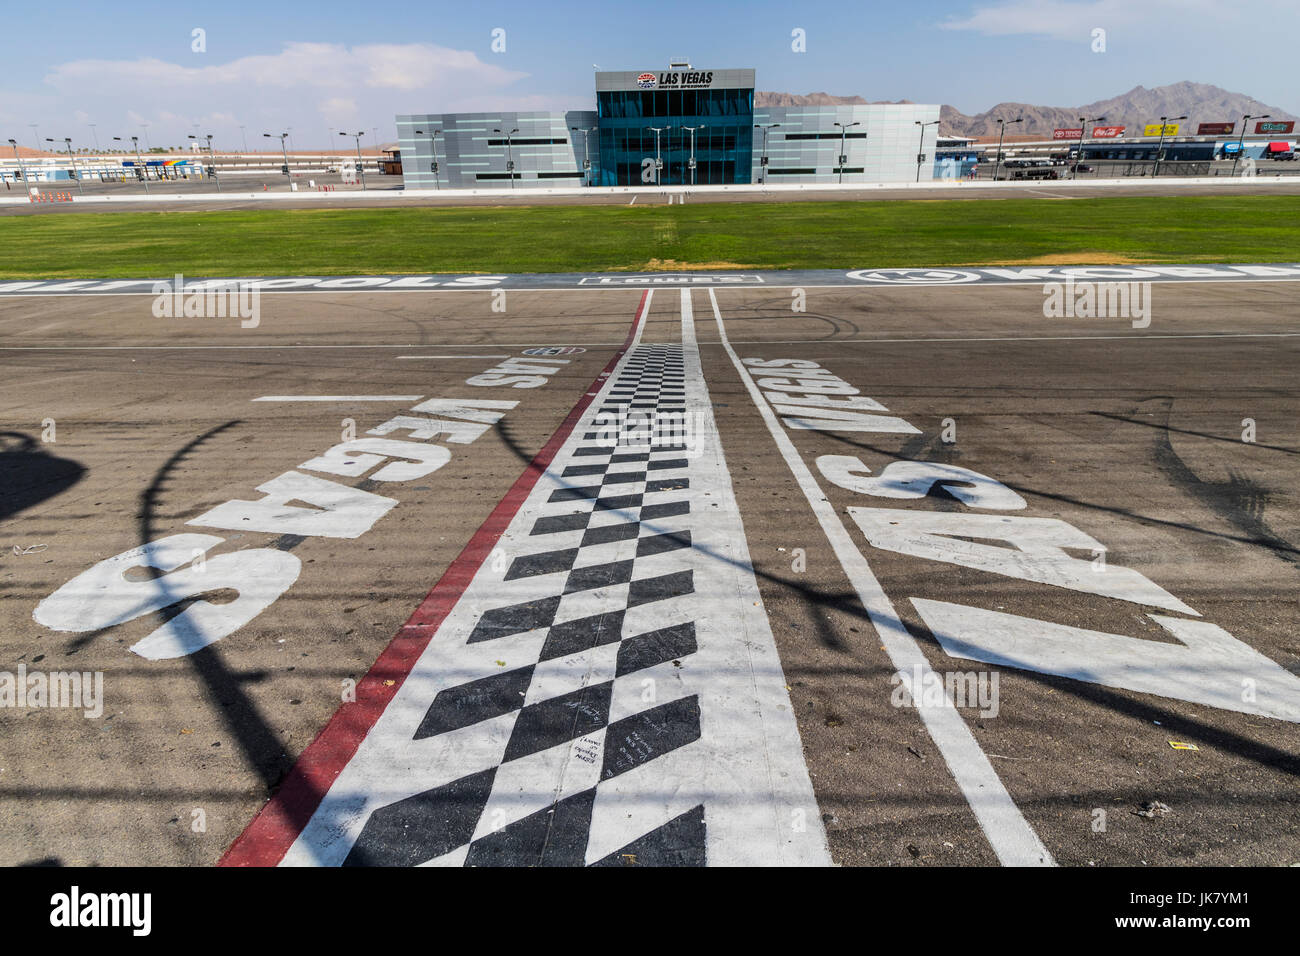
<point>1241,141</point>
<point>920,154</point>
<point>94,133</point>
<point>212,156</point>
<point>1161,145</point>
<point>75,175</point>
<point>691,164</point>
<point>586,152</point>
<point>148,146</point>
<point>659,163</point>
<point>762,159</point>
<point>283,152</point>
<point>36,135</point>
<point>21,168</point>
<point>244,136</point>
<point>510,158</point>
<point>360,164</point>
<point>139,163</point>
<point>1083,131</point>
<point>844,156</point>
<point>1002,130</point>
<point>433,167</point>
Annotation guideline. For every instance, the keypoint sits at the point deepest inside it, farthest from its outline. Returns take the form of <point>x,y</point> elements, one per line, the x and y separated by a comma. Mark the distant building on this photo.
<point>700,126</point>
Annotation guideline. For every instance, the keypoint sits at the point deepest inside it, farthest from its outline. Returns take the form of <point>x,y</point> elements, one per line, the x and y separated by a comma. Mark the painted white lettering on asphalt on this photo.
<point>102,596</point>
<point>1038,554</point>
<point>340,512</point>
<point>914,479</point>
<point>1012,838</point>
<point>519,373</point>
<point>1209,666</point>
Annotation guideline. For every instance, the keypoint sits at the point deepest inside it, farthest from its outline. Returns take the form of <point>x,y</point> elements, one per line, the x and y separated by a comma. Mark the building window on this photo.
<point>529,141</point>
<point>834,136</point>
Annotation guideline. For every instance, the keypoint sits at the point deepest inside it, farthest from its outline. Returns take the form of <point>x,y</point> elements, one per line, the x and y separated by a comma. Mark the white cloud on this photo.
<point>309,86</point>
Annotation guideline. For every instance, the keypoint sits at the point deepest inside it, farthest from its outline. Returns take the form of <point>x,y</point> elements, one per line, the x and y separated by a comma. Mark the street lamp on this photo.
<point>244,135</point>
<point>659,163</point>
<point>1083,131</point>
<point>21,167</point>
<point>510,159</point>
<point>1161,145</point>
<point>586,152</point>
<point>1241,142</point>
<point>75,175</point>
<point>920,154</point>
<point>142,170</point>
<point>360,163</point>
<point>433,168</point>
<point>762,159</point>
<point>148,146</point>
<point>212,156</point>
<point>283,152</point>
<point>1002,130</point>
<point>844,156</point>
<point>691,164</point>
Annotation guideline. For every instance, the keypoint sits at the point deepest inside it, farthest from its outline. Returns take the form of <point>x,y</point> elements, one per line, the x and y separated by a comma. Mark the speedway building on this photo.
<point>673,116</point>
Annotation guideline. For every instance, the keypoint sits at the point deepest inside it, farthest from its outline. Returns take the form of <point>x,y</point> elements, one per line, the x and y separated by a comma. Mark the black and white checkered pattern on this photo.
<point>599,574</point>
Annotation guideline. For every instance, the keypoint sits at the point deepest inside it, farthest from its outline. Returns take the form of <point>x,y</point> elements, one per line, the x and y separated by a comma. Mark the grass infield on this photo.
<point>797,235</point>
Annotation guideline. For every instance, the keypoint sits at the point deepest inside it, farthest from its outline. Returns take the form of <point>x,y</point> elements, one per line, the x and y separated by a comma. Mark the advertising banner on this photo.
<point>1153,129</point>
<point>1275,127</point>
<point>1074,133</point>
<point>1215,129</point>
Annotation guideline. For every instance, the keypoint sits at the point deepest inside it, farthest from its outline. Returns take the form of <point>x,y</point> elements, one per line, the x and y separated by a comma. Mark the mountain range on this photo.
<point>1201,102</point>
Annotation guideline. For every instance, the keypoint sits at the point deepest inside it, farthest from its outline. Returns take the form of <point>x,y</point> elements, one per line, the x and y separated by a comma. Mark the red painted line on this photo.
<point>270,834</point>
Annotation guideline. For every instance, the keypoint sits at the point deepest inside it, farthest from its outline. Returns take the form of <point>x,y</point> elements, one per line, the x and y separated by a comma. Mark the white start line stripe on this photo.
<point>602,689</point>
<point>1012,838</point>
<point>338,398</point>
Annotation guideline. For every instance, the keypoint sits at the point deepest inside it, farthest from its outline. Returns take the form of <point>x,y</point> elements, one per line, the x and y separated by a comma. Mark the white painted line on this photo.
<point>453,356</point>
<point>1134,337</point>
<point>338,398</point>
<point>236,348</point>
<point>1009,834</point>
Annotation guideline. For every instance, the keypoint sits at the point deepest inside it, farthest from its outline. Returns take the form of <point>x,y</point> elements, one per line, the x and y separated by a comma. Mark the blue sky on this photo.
<point>329,64</point>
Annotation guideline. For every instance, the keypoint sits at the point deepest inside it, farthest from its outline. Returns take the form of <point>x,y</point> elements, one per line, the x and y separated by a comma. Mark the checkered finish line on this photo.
<point>606,691</point>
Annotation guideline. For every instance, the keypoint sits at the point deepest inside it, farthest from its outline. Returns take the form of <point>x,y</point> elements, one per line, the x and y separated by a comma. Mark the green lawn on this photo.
<point>605,238</point>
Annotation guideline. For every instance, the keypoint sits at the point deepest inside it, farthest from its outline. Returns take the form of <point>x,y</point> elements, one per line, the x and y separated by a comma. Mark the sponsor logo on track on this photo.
<point>914,276</point>
<point>674,278</point>
<point>919,278</point>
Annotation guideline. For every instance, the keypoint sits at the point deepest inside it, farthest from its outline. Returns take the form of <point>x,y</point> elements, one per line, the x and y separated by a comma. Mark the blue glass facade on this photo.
<point>724,139</point>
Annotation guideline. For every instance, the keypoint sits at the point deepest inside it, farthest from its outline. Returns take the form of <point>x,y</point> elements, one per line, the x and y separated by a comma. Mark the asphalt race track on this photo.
<point>628,576</point>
